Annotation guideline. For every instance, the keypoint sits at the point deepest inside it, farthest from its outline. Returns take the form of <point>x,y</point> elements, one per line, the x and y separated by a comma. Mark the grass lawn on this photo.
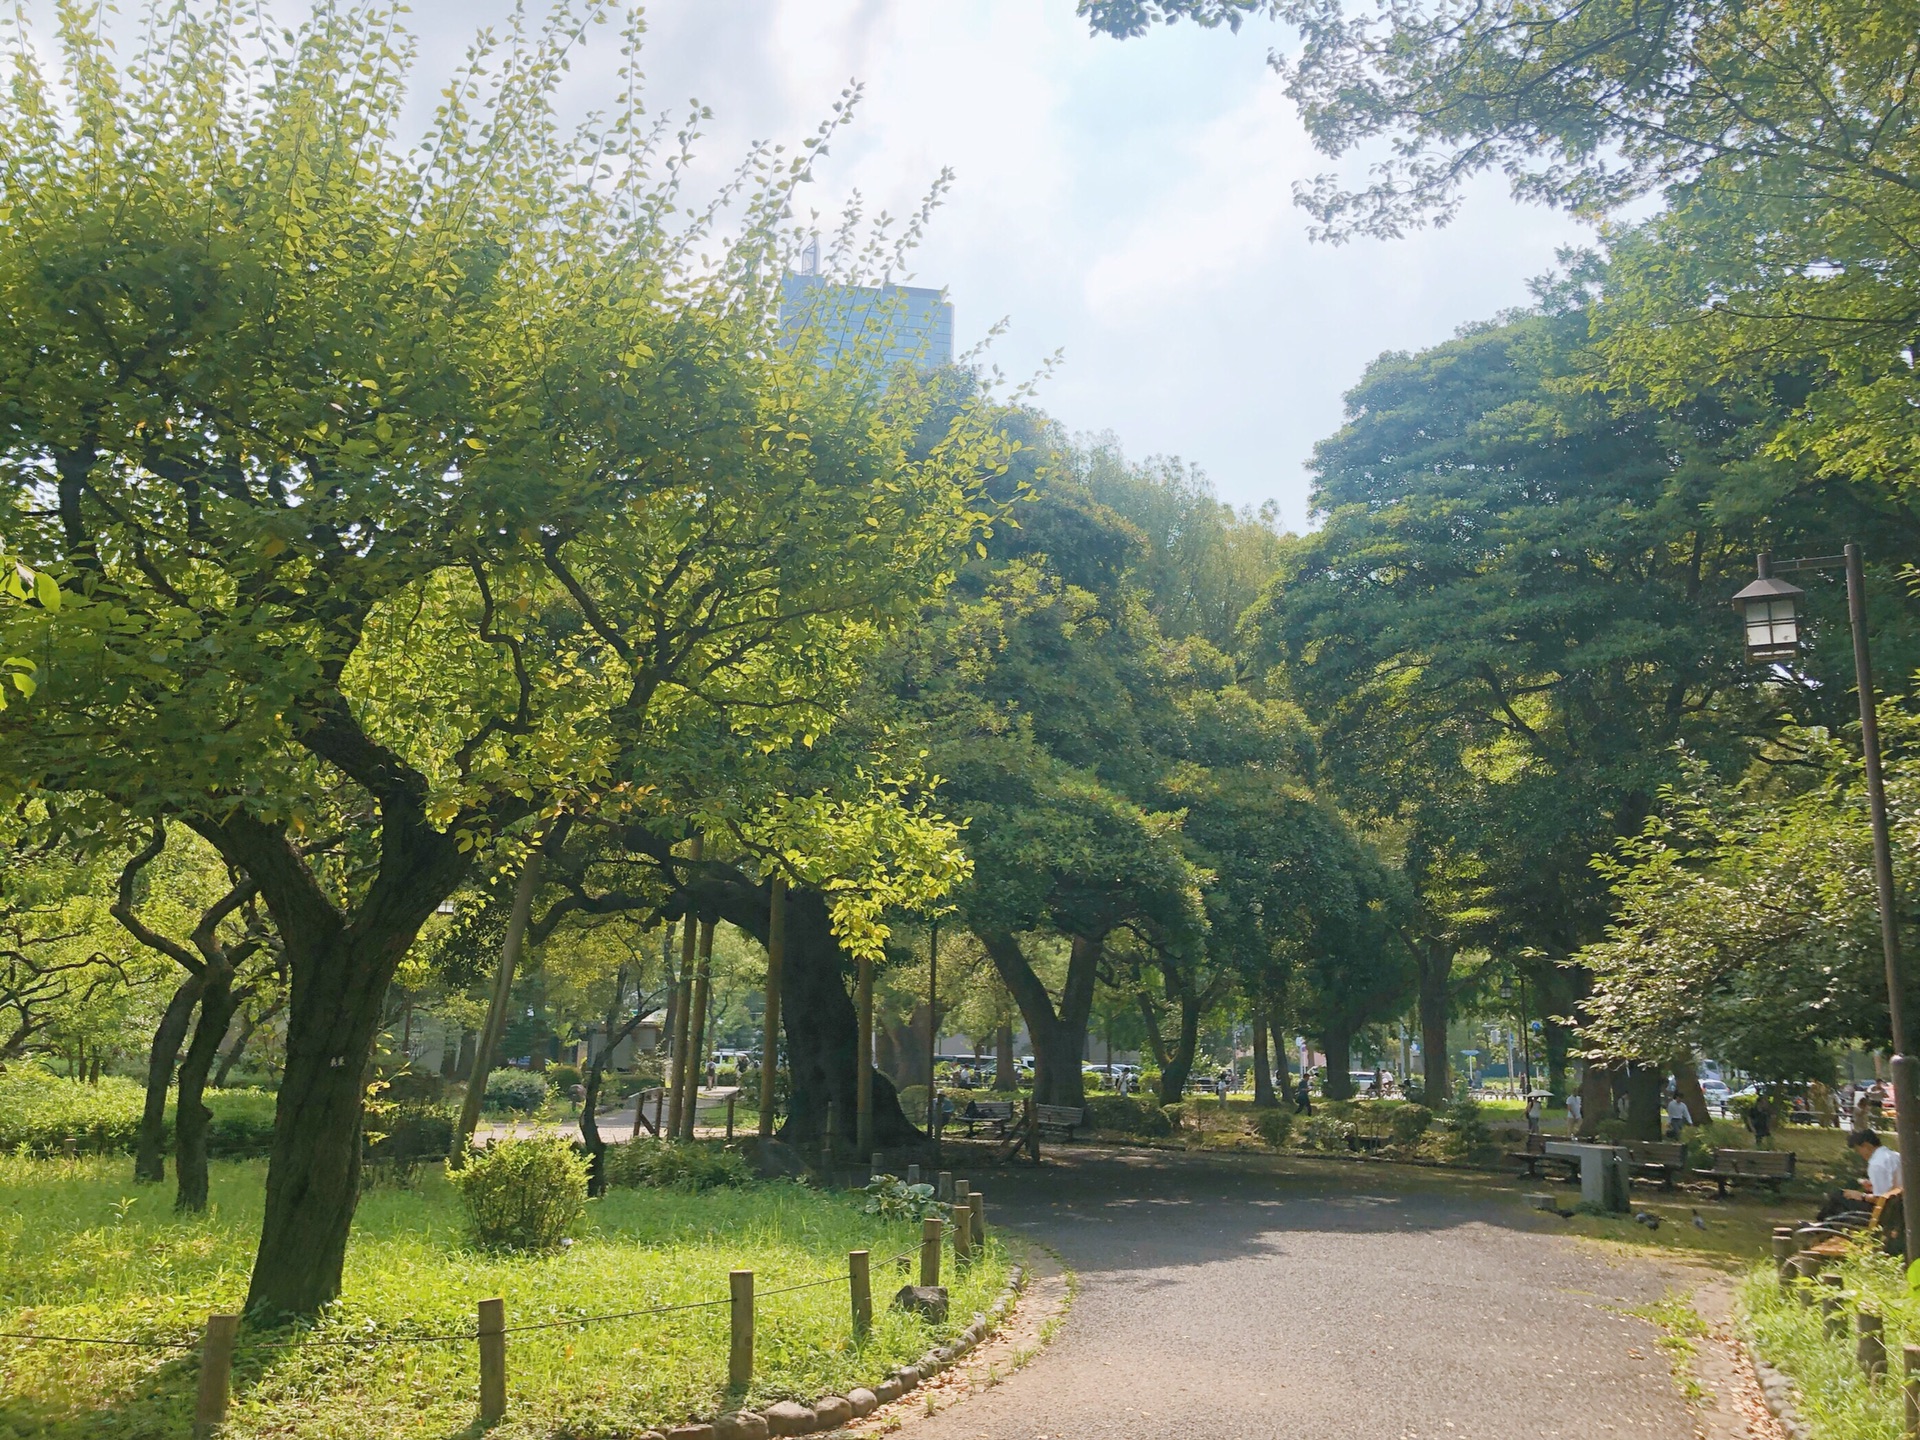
<point>84,1252</point>
<point>1834,1397</point>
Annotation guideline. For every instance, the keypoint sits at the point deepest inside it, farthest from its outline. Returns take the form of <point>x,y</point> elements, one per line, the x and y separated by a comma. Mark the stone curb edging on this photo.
<point>830,1412</point>
<point>1777,1391</point>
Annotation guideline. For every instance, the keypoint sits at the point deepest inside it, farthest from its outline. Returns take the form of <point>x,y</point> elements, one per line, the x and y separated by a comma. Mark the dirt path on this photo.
<point>1287,1298</point>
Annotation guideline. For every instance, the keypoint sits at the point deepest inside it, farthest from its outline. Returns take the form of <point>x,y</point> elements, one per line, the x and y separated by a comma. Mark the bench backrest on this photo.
<point>1536,1145</point>
<point>992,1109</point>
<point>1658,1152</point>
<point>1059,1114</point>
<point>1754,1162</point>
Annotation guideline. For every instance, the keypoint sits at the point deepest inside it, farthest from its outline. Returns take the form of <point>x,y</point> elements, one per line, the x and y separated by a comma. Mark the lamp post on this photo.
<point>1770,612</point>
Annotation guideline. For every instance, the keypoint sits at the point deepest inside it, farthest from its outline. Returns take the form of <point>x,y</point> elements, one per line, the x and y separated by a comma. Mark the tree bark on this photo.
<point>191,1115</point>
<point>1686,1077</point>
<point>496,1023</point>
<point>1150,1019</point>
<point>1596,1098</point>
<point>1275,1020</point>
<point>1644,1083</point>
<point>1059,1038</point>
<point>1003,1076</point>
<point>1434,963</point>
<point>250,1024</point>
<point>1338,1044</point>
<point>1558,1038</point>
<point>150,1149</point>
<point>1263,1096</point>
<point>1173,1076</point>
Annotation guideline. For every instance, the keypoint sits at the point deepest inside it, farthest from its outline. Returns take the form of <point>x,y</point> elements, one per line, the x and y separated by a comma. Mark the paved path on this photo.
<point>1317,1301</point>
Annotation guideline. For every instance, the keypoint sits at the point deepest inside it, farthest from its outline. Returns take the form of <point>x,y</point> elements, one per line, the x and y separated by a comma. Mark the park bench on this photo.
<point>1364,1144</point>
<point>1535,1155</point>
<point>1771,1168</point>
<point>997,1115</point>
<point>1665,1160</point>
<point>1059,1120</point>
<point>1886,1219</point>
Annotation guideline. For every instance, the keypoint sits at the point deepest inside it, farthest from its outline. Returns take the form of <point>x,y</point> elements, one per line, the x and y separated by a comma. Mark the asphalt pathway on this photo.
<point>1319,1301</point>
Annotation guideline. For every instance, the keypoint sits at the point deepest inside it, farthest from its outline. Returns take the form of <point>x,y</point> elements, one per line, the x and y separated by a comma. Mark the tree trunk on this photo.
<point>1435,966</point>
<point>463,1067</point>
<point>1275,1020</point>
<point>1003,1074</point>
<point>1173,1078</point>
<point>1558,1038</point>
<point>1644,1084</point>
<point>250,1024</point>
<point>191,1115</point>
<point>1338,1044</point>
<point>150,1149</point>
<point>495,1028</point>
<point>1687,1078</point>
<point>1059,1039</point>
<point>1596,1097</point>
<point>1263,1096</point>
<point>590,1086</point>
<point>1156,1043</point>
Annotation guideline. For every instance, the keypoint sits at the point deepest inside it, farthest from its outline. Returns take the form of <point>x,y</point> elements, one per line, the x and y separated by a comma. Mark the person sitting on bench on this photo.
<point>1883,1175</point>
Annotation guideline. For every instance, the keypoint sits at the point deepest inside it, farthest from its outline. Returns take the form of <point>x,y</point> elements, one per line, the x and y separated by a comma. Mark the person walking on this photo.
<point>1303,1096</point>
<point>1574,1106</point>
<point>1678,1117</point>
<point>1533,1114</point>
<point>1760,1121</point>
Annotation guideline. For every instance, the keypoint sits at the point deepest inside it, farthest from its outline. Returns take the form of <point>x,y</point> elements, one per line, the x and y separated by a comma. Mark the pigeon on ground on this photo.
<point>1698,1223</point>
<point>1648,1219</point>
<point>1564,1214</point>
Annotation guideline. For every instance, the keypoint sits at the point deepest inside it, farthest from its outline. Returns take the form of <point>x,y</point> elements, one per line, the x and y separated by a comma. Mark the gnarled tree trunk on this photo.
<point>1003,1076</point>
<point>1173,1076</point>
<point>1434,964</point>
<point>1263,1096</point>
<point>191,1115</point>
<point>1337,1042</point>
<point>1059,1037</point>
<point>150,1147</point>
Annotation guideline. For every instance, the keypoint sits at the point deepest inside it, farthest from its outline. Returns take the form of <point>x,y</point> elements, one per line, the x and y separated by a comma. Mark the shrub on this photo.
<point>913,1103</point>
<point>1273,1126</point>
<point>1126,1115</point>
<point>1409,1123</point>
<point>675,1165</point>
<point>516,1090</point>
<point>522,1194</point>
<point>1326,1132</point>
<point>40,1110</point>
<point>1414,1094</point>
<point>242,1122</point>
<point>893,1199</point>
<point>728,1074</point>
<point>561,1079</point>
<point>409,1132</point>
<point>1611,1131</point>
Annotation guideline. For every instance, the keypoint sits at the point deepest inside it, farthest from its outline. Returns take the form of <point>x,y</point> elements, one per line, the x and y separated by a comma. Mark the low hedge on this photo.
<point>40,1111</point>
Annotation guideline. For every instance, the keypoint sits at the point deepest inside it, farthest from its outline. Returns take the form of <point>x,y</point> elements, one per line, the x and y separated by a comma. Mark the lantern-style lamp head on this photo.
<point>1770,610</point>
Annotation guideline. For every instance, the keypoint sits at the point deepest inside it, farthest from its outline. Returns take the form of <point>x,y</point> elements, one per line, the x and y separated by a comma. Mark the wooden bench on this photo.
<point>1059,1120</point>
<point>1535,1155</point>
<point>1771,1168</point>
<point>1886,1220</point>
<point>1663,1159</point>
<point>1364,1144</point>
<point>997,1115</point>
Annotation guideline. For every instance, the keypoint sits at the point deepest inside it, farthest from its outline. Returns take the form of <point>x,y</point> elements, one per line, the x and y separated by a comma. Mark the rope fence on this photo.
<point>220,1340</point>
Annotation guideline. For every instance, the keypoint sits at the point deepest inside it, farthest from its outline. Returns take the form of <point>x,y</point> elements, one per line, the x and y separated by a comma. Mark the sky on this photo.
<point>1125,207</point>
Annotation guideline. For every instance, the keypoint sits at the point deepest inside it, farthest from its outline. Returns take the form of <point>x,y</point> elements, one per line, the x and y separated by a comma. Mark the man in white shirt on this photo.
<point>1883,1165</point>
<point>1678,1117</point>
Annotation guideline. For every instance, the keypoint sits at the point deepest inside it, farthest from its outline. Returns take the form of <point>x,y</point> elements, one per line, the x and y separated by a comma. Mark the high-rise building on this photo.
<point>894,324</point>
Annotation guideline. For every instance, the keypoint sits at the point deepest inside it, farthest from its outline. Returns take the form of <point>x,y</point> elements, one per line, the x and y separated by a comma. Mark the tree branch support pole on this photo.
<point>740,1350</point>
<point>860,1291</point>
<point>1906,1105</point>
<point>931,1230</point>
<point>496,1025</point>
<point>933,1035</point>
<point>682,1000</point>
<point>770,1035</point>
<point>493,1361</point>
<point>863,1073</point>
<point>697,1026</point>
<point>216,1376</point>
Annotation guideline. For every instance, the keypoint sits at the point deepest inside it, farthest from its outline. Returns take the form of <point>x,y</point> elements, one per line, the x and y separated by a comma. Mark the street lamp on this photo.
<point>1769,609</point>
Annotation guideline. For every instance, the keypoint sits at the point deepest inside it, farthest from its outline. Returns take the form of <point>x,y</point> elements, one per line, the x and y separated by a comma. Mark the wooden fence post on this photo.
<point>860,1288</point>
<point>216,1374</point>
<point>930,1229</point>
<point>1871,1348</point>
<point>913,1174</point>
<point>493,1361</point>
<point>962,1223</point>
<point>740,1352</point>
<point>1910,1355</point>
<point>877,1166</point>
<point>977,1203</point>
<point>943,1187</point>
<point>1782,1251</point>
<point>730,1099</point>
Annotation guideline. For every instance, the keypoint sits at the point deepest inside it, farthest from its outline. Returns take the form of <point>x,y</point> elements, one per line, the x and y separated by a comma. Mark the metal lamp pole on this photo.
<point>1769,605</point>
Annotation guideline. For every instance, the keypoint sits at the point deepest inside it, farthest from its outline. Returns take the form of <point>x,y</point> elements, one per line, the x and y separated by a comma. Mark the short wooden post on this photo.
<point>1910,1358</point>
<point>877,1165</point>
<point>1782,1251</point>
<point>1833,1314</point>
<point>930,1229</point>
<point>493,1361</point>
<point>913,1174</point>
<point>740,1352</point>
<point>730,1099</point>
<point>1871,1348</point>
<point>70,1147</point>
<point>977,1204</point>
<point>962,1223</point>
<point>860,1289</point>
<point>943,1187</point>
<point>216,1375</point>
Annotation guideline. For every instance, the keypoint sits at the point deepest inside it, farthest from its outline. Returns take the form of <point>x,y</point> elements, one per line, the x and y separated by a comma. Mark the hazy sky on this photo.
<point>1125,204</point>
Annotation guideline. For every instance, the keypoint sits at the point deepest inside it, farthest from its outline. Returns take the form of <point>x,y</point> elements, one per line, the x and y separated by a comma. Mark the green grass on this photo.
<point>1834,1397</point>
<point>83,1252</point>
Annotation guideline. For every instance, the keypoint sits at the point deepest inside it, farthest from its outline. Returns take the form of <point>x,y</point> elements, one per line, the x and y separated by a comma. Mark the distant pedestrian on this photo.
<point>1574,1106</point>
<point>1303,1096</point>
<point>1678,1117</point>
<point>579,1094</point>
<point>1760,1121</point>
<point>1533,1114</point>
<point>1220,1087</point>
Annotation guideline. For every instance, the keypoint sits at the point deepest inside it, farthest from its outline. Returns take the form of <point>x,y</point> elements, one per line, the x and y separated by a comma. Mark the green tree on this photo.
<point>415,495</point>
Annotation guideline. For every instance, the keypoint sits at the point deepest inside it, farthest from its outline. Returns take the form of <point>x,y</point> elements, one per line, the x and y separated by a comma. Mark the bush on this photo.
<point>561,1079</point>
<point>1409,1123</point>
<point>409,1132</point>
<point>726,1075</point>
<point>40,1110</point>
<point>1273,1126</point>
<point>1325,1132</point>
<point>522,1194</point>
<point>675,1165</point>
<point>1126,1115</point>
<point>242,1122</point>
<point>893,1199</point>
<point>516,1090</point>
<point>1611,1131</point>
<point>1414,1094</point>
